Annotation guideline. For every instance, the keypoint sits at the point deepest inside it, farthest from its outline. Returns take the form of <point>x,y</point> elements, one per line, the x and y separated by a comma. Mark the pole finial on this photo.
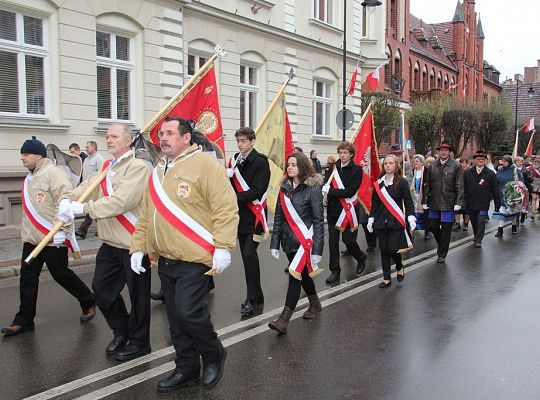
<point>220,52</point>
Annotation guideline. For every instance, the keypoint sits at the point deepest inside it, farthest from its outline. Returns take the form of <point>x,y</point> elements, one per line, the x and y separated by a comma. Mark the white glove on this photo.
<point>222,260</point>
<point>230,172</point>
<point>457,207</point>
<point>412,222</point>
<point>425,206</point>
<point>370,222</point>
<point>275,253</point>
<point>315,259</point>
<point>77,208</point>
<point>136,262</point>
<point>64,212</point>
<point>325,188</point>
<point>59,238</point>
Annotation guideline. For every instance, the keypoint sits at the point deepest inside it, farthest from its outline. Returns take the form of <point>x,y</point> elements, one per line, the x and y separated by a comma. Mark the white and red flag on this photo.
<point>529,126</point>
<point>373,78</point>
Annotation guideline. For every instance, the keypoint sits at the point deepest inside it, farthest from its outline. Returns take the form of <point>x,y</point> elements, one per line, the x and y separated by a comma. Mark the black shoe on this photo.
<point>345,253</point>
<point>117,344</point>
<point>80,235</point>
<point>499,232</point>
<point>384,284</point>
<point>361,266</point>
<point>522,218</point>
<point>333,278</point>
<point>132,351</point>
<point>440,260</point>
<point>456,227</point>
<point>400,277</point>
<point>478,245</point>
<point>213,372</point>
<point>466,227</point>
<point>88,314</point>
<point>248,308</point>
<point>514,229</point>
<point>211,284</point>
<point>159,296</point>
<point>176,380</point>
<point>13,330</point>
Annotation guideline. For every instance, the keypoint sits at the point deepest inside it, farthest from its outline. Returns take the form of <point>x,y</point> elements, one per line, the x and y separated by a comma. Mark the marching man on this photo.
<point>115,205</point>
<point>188,224</point>
<point>250,174</point>
<point>42,190</point>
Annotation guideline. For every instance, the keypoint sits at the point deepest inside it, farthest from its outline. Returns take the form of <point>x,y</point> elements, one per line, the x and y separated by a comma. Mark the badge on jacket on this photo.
<point>40,196</point>
<point>482,181</point>
<point>183,191</point>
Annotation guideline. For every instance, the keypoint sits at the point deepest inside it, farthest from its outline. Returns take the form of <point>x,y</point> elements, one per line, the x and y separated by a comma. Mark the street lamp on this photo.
<point>370,4</point>
<point>530,93</point>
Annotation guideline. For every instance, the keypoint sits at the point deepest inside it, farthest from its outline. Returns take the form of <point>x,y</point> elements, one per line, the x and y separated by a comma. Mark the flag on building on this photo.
<point>366,156</point>
<point>529,126</point>
<point>529,150</point>
<point>373,78</point>
<point>199,102</point>
<point>464,91</point>
<point>352,85</point>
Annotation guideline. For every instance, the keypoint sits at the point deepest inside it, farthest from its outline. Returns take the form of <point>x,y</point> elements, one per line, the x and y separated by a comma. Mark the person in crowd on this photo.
<point>249,172</point>
<point>92,164</point>
<point>508,172</point>
<point>188,224</point>
<point>417,189</point>
<point>343,210</point>
<point>43,188</point>
<point>75,150</point>
<point>315,161</point>
<point>398,152</point>
<point>330,162</point>
<point>462,214</point>
<point>429,160</point>
<point>116,206</point>
<point>392,218</point>
<point>480,188</point>
<point>534,168</point>
<point>442,197</point>
<point>299,230</point>
<point>528,179</point>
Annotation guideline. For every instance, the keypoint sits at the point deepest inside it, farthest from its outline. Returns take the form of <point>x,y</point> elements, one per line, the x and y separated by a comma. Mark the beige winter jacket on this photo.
<point>47,185</point>
<point>197,184</point>
<point>129,178</point>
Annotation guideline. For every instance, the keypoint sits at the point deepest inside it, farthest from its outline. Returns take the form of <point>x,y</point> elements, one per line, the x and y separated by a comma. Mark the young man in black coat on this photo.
<point>351,176</point>
<point>250,174</point>
<point>480,188</point>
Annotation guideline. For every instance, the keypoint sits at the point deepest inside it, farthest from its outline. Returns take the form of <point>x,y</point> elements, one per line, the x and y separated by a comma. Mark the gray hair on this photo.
<point>420,158</point>
<point>126,130</point>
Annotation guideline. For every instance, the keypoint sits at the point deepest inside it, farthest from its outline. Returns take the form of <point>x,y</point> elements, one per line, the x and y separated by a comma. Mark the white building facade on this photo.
<point>73,67</point>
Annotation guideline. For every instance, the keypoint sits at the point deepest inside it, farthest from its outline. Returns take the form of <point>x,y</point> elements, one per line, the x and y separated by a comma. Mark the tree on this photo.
<point>494,120</point>
<point>424,125</point>
<point>385,113</point>
<point>459,123</point>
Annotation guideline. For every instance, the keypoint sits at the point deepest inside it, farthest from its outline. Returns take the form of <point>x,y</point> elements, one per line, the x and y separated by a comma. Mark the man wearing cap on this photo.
<point>42,190</point>
<point>480,186</point>
<point>188,224</point>
<point>405,166</point>
<point>443,195</point>
<point>116,205</point>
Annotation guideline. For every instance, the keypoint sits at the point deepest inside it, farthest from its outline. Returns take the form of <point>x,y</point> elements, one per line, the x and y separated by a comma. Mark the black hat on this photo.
<point>395,150</point>
<point>480,153</point>
<point>445,144</point>
<point>34,146</point>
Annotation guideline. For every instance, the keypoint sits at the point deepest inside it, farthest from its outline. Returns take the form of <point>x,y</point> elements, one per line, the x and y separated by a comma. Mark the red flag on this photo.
<point>373,78</point>
<point>289,146</point>
<point>366,156</point>
<point>201,104</point>
<point>352,85</point>
<point>529,151</point>
<point>529,126</point>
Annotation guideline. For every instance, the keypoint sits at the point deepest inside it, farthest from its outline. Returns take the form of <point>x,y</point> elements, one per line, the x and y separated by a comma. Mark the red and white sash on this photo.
<point>304,236</point>
<point>393,208</point>
<point>40,223</point>
<point>175,216</point>
<point>348,215</point>
<point>256,206</point>
<point>534,170</point>
<point>127,220</point>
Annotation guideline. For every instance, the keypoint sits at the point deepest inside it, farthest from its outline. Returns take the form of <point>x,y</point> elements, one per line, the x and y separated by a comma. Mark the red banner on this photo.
<point>366,156</point>
<point>201,104</point>
<point>289,145</point>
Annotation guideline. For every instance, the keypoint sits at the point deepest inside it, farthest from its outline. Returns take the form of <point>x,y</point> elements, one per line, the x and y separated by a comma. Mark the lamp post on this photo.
<point>530,93</point>
<point>368,4</point>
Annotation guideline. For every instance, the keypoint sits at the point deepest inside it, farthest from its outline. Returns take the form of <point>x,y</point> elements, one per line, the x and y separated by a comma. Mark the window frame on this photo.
<point>329,14</point>
<point>327,103</point>
<point>245,90</point>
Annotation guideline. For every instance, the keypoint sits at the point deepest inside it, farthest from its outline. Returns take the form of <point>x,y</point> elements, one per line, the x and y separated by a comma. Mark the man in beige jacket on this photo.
<point>115,205</point>
<point>188,224</point>
<point>42,190</point>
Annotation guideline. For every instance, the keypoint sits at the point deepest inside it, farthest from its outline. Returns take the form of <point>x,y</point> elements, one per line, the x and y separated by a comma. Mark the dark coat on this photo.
<point>351,176</point>
<point>401,194</point>
<point>256,172</point>
<point>307,200</point>
<point>478,196</point>
<point>443,187</point>
<point>316,165</point>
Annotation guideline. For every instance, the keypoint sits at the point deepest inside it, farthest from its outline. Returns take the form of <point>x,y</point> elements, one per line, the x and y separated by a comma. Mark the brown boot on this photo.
<point>314,307</point>
<point>281,323</point>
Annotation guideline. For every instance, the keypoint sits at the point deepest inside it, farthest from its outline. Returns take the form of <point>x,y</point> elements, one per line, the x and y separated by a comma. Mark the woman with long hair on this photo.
<point>299,229</point>
<point>392,218</point>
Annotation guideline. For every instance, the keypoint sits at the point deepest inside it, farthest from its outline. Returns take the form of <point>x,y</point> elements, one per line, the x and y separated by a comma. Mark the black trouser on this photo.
<point>83,228</point>
<point>293,291</point>
<point>185,287</point>
<point>348,237</point>
<point>250,258</point>
<point>56,259</point>
<point>442,232</point>
<point>371,237</point>
<point>113,272</point>
<point>388,243</point>
<point>478,223</point>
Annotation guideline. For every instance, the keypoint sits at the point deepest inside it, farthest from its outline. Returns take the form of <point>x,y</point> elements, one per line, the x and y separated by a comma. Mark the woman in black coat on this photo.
<point>301,191</point>
<point>392,233</point>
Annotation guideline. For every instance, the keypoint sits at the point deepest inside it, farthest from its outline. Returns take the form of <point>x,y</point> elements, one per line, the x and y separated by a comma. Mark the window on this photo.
<point>322,103</point>
<point>115,70</point>
<point>393,14</point>
<point>249,94</point>
<point>195,63</point>
<point>323,10</point>
<point>23,61</point>
<point>417,77</point>
<point>364,22</point>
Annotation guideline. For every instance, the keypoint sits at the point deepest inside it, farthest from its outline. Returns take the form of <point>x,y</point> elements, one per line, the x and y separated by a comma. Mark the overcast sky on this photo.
<point>512,39</point>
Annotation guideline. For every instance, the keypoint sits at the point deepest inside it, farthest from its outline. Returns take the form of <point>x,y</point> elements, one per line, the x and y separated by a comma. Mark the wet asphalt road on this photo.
<point>464,330</point>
